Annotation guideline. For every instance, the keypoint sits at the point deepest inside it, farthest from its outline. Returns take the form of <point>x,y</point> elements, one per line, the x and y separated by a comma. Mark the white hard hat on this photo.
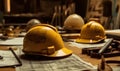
<point>73,22</point>
<point>32,23</point>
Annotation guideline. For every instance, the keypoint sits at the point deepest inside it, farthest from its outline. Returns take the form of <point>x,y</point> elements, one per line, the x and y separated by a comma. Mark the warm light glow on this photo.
<point>7,6</point>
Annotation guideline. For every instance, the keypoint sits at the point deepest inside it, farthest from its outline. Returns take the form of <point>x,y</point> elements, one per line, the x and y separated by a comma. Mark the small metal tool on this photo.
<point>103,66</point>
<point>15,65</point>
<point>106,46</point>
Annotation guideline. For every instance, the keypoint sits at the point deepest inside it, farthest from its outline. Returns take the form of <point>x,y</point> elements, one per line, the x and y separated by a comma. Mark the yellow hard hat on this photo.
<point>44,40</point>
<point>73,22</point>
<point>92,32</point>
<point>32,23</point>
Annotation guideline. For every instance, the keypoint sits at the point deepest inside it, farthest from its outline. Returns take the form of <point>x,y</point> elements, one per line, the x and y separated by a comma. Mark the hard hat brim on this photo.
<point>63,52</point>
<point>89,40</point>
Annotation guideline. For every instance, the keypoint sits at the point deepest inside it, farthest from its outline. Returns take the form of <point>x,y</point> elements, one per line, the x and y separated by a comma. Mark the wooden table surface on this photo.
<point>7,69</point>
<point>76,51</point>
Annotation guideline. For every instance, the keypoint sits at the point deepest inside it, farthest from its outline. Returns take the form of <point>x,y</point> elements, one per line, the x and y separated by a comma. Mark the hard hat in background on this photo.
<point>44,40</point>
<point>94,19</point>
<point>73,22</point>
<point>92,32</point>
<point>9,31</point>
<point>32,23</point>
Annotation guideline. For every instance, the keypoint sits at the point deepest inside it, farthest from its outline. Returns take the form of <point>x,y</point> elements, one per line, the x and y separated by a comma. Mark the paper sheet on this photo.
<point>115,31</point>
<point>12,41</point>
<point>71,63</point>
<point>80,45</point>
<point>8,58</point>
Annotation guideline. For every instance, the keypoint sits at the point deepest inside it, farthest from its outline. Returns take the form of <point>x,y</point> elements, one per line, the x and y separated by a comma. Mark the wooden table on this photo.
<point>77,51</point>
<point>7,69</point>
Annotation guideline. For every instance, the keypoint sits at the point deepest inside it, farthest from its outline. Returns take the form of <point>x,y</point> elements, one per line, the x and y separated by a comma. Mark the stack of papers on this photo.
<point>13,41</point>
<point>113,34</point>
<point>71,63</point>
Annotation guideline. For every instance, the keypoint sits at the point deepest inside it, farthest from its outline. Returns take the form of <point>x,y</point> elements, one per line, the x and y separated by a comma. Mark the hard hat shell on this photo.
<point>73,22</point>
<point>32,23</point>
<point>44,40</point>
<point>92,32</point>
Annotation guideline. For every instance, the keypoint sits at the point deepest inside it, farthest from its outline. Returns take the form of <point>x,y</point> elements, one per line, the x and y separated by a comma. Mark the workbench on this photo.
<point>78,52</point>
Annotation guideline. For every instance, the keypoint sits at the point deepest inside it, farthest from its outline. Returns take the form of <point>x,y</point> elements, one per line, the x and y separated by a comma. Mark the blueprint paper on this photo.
<point>12,41</point>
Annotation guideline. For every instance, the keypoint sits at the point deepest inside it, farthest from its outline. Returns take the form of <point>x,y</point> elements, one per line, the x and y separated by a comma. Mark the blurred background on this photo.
<point>19,12</point>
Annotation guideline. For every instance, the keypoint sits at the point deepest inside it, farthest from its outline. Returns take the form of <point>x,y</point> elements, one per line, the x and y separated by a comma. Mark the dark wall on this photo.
<point>46,7</point>
<point>1,5</point>
<point>81,7</point>
<point>25,6</point>
<point>34,6</point>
